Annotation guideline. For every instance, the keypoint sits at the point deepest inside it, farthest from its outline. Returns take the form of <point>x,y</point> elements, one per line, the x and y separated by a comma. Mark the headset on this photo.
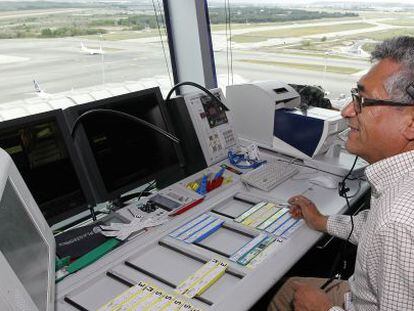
<point>410,89</point>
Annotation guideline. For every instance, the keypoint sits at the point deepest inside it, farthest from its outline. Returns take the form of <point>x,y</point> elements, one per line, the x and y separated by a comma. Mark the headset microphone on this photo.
<point>410,89</point>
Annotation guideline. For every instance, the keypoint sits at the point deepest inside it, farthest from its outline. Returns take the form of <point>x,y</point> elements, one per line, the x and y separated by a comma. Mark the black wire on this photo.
<point>161,38</point>
<point>343,193</point>
<point>350,171</point>
<point>125,116</point>
<point>341,256</point>
<point>213,97</point>
<point>147,188</point>
<point>92,211</point>
<point>146,192</point>
<point>320,170</point>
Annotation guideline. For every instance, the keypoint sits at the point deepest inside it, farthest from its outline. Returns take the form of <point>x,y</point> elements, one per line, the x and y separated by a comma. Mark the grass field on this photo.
<point>401,22</point>
<point>125,35</point>
<point>10,15</point>
<point>259,36</point>
<point>222,27</point>
<point>311,67</point>
<point>382,35</point>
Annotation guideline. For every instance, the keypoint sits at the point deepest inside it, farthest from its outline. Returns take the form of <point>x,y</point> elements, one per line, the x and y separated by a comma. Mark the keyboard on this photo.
<point>269,175</point>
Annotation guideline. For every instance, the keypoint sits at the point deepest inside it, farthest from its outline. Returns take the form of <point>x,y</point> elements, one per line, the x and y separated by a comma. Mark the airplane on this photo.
<point>39,91</point>
<point>91,51</point>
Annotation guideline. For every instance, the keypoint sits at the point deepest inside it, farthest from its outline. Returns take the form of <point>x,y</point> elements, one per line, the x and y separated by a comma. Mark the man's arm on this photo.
<point>341,225</point>
<point>338,225</point>
<point>302,207</point>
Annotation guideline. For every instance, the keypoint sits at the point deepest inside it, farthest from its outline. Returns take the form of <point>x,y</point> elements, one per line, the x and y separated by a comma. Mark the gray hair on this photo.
<point>400,49</point>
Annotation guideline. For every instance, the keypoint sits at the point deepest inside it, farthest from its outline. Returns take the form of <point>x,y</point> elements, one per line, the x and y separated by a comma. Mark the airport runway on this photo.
<point>59,66</point>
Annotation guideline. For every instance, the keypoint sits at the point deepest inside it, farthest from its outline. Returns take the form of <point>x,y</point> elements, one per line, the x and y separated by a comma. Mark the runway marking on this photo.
<point>7,59</point>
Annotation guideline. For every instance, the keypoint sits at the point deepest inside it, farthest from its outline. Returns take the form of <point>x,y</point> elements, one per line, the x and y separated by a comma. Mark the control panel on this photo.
<point>213,125</point>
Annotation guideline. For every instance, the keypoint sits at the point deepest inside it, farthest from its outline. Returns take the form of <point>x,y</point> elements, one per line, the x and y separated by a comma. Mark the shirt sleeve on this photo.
<point>340,225</point>
<point>336,308</point>
<point>390,267</point>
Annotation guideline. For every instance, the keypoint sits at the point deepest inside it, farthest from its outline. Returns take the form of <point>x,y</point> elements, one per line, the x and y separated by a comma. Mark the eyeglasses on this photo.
<point>360,101</point>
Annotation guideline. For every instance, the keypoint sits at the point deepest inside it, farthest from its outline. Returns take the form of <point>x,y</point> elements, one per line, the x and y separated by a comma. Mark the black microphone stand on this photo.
<point>213,97</point>
<point>125,116</point>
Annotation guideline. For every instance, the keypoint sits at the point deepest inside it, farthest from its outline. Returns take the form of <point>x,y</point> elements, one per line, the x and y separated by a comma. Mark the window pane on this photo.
<point>324,43</point>
<point>75,48</point>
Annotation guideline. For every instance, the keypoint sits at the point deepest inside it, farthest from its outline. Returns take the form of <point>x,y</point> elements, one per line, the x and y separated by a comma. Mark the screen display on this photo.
<point>129,154</point>
<point>214,112</point>
<point>39,151</point>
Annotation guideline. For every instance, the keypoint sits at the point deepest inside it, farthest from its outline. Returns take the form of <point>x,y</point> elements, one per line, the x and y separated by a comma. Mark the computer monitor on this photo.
<point>41,148</point>
<point>27,246</point>
<point>121,155</point>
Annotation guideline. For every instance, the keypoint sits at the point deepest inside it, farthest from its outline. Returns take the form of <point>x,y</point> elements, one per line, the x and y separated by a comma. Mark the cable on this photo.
<point>125,116</point>
<point>147,188</point>
<point>92,211</point>
<point>161,38</point>
<point>356,191</point>
<point>345,190</point>
<point>212,96</point>
<point>320,170</point>
<point>341,256</point>
<point>146,192</point>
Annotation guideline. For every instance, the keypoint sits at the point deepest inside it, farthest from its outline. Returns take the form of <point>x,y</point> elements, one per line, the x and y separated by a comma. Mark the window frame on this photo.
<point>190,42</point>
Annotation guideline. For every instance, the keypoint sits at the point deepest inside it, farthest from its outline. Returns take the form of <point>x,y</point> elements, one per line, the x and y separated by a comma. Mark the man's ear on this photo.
<point>408,129</point>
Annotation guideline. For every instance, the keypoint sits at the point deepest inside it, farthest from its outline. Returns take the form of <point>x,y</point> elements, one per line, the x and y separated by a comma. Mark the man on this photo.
<point>381,122</point>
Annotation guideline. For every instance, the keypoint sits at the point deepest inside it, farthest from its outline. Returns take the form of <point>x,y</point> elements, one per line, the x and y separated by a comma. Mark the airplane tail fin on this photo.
<point>37,86</point>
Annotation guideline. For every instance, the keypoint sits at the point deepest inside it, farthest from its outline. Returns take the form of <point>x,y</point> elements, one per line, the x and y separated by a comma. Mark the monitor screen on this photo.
<point>43,153</point>
<point>126,154</point>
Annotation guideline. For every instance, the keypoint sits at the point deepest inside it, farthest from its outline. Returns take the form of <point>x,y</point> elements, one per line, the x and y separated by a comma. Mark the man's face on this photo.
<point>375,131</point>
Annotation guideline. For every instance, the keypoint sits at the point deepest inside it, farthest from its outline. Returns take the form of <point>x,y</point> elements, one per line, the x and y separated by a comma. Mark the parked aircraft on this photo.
<point>90,51</point>
<point>39,91</point>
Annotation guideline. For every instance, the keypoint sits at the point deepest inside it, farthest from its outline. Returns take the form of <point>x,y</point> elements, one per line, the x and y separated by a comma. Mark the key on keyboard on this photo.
<point>269,175</point>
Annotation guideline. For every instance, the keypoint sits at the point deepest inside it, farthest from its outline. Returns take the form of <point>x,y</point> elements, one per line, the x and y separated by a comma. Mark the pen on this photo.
<point>187,207</point>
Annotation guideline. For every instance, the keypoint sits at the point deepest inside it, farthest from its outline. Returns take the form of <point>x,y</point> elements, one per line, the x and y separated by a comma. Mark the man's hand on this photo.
<point>302,207</point>
<point>308,298</point>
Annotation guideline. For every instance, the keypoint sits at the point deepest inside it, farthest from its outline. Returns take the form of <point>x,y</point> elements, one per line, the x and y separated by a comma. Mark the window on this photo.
<point>324,43</point>
<point>54,50</point>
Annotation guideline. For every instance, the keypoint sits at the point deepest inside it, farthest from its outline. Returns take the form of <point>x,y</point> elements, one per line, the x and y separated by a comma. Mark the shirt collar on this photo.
<point>388,171</point>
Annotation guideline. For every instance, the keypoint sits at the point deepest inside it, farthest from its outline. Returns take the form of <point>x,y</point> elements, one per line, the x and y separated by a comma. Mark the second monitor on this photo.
<point>43,152</point>
<point>120,154</point>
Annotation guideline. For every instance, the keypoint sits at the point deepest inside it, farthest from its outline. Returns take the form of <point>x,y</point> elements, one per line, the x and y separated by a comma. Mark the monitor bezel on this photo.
<point>9,172</point>
<point>57,115</point>
<point>84,149</point>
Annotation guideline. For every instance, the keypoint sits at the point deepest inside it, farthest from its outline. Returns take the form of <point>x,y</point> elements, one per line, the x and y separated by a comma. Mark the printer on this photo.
<point>268,114</point>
